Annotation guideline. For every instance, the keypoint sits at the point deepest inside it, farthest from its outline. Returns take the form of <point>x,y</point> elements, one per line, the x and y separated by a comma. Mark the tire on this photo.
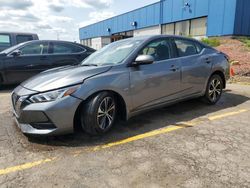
<point>98,114</point>
<point>213,90</point>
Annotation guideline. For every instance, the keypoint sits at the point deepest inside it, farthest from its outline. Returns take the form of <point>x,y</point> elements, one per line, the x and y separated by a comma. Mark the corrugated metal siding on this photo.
<point>221,17</point>
<point>242,19</point>
<point>225,17</point>
<point>145,17</point>
<point>174,10</point>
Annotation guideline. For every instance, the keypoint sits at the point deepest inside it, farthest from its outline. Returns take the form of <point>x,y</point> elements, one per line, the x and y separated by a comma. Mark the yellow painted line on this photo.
<point>138,137</point>
<point>170,128</point>
<point>25,166</point>
<point>165,130</point>
<point>211,118</point>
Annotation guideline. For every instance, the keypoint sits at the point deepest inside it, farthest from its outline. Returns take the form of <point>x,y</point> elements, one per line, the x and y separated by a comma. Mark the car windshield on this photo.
<point>112,54</point>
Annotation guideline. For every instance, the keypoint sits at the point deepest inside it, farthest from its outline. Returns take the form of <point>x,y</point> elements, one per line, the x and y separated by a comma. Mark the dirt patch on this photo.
<point>239,55</point>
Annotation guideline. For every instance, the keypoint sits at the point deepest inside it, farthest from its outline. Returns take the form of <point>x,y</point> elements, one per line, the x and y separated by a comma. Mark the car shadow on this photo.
<point>152,120</point>
<point>7,88</point>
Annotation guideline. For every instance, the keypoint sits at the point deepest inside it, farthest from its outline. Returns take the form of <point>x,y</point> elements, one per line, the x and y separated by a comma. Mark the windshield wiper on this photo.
<point>89,65</point>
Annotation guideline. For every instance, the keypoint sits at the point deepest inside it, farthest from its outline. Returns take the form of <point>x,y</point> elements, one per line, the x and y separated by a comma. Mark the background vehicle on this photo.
<point>119,81</point>
<point>30,58</point>
<point>8,39</point>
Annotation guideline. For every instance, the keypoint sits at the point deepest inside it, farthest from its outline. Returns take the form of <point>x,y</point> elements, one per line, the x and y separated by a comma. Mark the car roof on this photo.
<point>155,37</point>
<point>146,37</point>
<point>60,41</point>
<point>17,33</point>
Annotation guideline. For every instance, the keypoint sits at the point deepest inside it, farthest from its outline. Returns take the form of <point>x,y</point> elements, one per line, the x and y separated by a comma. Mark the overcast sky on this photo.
<point>60,18</point>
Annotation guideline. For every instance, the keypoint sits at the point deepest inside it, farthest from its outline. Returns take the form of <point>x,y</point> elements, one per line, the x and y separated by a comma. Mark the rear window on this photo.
<point>5,40</point>
<point>23,38</point>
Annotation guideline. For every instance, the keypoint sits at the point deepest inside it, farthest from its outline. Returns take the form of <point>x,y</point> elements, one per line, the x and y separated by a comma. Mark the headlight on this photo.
<point>53,95</point>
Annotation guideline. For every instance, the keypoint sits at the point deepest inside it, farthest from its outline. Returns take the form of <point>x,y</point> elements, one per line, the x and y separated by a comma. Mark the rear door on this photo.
<point>195,65</point>
<point>62,54</point>
<point>159,82</point>
<point>32,60</point>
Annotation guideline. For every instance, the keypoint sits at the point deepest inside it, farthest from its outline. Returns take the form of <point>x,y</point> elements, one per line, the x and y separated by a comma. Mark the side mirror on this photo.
<point>143,60</point>
<point>16,53</point>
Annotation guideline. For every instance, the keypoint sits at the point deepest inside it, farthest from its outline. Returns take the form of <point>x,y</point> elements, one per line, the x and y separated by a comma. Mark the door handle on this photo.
<point>43,58</point>
<point>174,68</point>
<point>31,65</point>
<point>208,60</point>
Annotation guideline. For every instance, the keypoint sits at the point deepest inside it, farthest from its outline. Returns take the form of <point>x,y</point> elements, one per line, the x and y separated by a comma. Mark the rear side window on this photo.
<point>187,47</point>
<point>35,49</point>
<point>61,48</point>
<point>23,38</point>
<point>5,40</point>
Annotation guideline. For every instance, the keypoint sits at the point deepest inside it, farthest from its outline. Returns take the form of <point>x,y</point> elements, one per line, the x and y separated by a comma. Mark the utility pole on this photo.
<point>57,34</point>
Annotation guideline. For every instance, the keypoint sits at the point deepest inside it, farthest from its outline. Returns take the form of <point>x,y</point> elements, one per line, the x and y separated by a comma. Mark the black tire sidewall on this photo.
<point>207,89</point>
<point>89,114</point>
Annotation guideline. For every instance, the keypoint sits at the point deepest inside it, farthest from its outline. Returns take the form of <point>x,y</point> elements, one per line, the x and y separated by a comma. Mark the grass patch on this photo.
<point>245,40</point>
<point>211,41</point>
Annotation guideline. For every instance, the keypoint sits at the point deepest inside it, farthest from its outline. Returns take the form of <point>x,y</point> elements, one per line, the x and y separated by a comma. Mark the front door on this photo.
<point>32,60</point>
<point>155,83</point>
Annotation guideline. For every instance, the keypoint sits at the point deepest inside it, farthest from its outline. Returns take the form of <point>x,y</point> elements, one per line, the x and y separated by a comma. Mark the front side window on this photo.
<point>159,49</point>
<point>186,47</point>
<point>34,49</point>
<point>23,38</point>
<point>5,40</point>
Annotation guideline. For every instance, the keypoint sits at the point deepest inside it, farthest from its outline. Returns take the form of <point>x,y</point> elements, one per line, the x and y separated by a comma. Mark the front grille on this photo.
<point>18,103</point>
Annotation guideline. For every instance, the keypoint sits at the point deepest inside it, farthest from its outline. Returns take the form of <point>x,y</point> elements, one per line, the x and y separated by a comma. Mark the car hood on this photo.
<point>62,77</point>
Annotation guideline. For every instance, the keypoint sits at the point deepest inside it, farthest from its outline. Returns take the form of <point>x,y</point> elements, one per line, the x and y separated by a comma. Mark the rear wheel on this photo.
<point>214,89</point>
<point>99,113</point>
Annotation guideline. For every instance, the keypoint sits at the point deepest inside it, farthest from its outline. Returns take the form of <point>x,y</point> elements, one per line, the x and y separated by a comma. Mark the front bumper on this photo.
<point>49,118</point>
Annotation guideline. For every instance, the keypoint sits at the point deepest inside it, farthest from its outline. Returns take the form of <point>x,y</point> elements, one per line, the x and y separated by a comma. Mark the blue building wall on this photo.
<point>145,17</point>
<point>174,10</point>
<point>242,18</point>
<point>221,17</point>
<point>225,17</point>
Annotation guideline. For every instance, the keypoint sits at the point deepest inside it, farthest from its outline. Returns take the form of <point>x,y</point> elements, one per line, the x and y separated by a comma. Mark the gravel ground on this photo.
<point>215,152</point>
<point>238,53</point>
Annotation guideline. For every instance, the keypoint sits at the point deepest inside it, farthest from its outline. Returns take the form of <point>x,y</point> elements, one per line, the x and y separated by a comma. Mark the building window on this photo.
<point>198,27</point>
<point>168,29</point>
<point>182,28</point>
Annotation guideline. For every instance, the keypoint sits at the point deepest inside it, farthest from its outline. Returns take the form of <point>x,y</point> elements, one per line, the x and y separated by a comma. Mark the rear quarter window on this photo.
<point>23,38</point>
<point>5,40</point>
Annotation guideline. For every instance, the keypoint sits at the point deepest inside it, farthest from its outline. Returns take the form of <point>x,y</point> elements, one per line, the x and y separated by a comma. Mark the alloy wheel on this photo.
<point>214,89</point>
<point>106,113</point>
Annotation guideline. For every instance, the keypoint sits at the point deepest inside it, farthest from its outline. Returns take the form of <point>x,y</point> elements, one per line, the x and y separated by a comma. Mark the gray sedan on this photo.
<point>121,80</point>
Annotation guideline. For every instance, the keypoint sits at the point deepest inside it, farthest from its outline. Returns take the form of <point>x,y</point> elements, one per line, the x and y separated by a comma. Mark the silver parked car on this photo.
<point>121,80</point>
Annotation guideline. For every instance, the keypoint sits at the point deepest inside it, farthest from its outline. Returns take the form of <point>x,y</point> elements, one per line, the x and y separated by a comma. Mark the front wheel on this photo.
<point>213,90</point>
<point>99,113</point>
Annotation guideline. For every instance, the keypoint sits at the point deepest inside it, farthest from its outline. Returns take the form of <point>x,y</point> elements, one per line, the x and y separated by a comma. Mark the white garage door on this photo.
<point>198,27</point>
<point>148,31</point>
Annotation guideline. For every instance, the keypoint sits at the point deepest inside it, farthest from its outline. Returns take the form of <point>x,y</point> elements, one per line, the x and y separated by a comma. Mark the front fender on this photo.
<point>115,81</point>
